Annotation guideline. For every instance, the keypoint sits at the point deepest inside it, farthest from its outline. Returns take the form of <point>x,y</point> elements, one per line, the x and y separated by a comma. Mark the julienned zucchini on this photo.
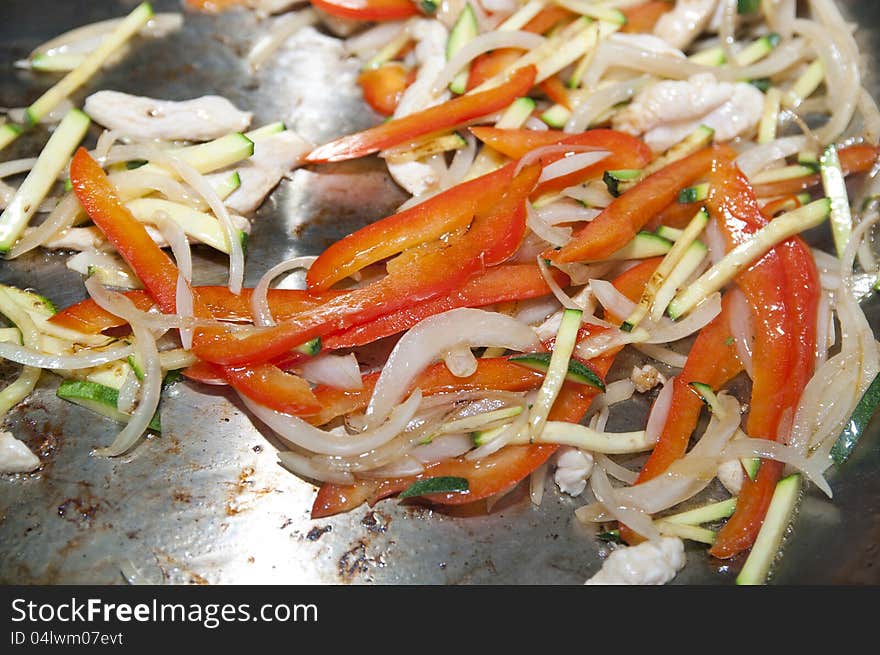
<point>10,335</point>
<point>577,371</point>
<point>440,485</point>
<point>264,132</point>
<point>226,185</point>
<point>643,246</point>
<point>857,423</point>
<point>758,49</point>
<point>201,226</point>
<point>666,268</point>
<point>690,261</point>
<point>705,514</point>
<point>778,230</point>
<point>52,160</point>
<point>30,301</point>
<point>696,193</point>
<point>98,398</point>
<point>707,395</point>
<point>783,173</point>
<point>834,184</point>
<point>557,370</point>
<point>747,6</point>
<point>8,134</point>
<point>614,179</point>
<point>465,30</point>
<point>557,116</point>
<point>310,347</point>
<point>710,57</point>
<point>477,422</point>
<point>596,12</point>
<point>769,539</point>
<point>489,159</point>
<point>130,26</point>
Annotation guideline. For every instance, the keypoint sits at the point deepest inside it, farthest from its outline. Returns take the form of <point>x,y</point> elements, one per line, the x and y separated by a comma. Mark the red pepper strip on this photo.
<point>415,275</point>
<point>853,159</point>
<point>765,285</point>
<point>507,282</point>
<point>214,6</point>
<point>384,86</point>
<point>622,219</point>
<point>98,198</point>
<point>712,360</point>
<point>159,274</point>
<point>495,473</point>
<point>492,475</point>
<point>676,215</point>
<point>87,317</point>
<point>641,19</point>
<point>434,119</point>
<point>444,213</point>
<point>547,18</point>
<point>378,10</point>
<point>490,64</point>
<point>780,205</point>
<point>626,151</point>
<point>554,89</point>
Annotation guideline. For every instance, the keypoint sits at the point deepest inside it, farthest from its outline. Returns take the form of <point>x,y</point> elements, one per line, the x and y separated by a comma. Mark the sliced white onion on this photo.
<point>304,467</point>
<point>535,124</point>
<point>481,44</point>
<point>460,361</point>
<point>660,411</point>
<point>296,431</point>
<point>282,28</point>
<point>566,211</point>
<point>762,156</point>
<point>600,100</point>
<point>337,371</point>
<point>128,392</point>
<point>428,340</point>
<point>259,298</point>
<point>16,166</point>
<point>742,328</point>
<point>372,40</point>
<point>555,236</point>
<point>113,268</point>
<point>633,517</point>
<point>183,300</point>
<point>202,187</point>
<point>665,355</point>
<point>571,164</point>
<point>60,218</point>
<point>151,383</point>
<point>461,163</point>
<point>537,482</point>
<point>86,359</point>
<point>444,447</point>
<point>603,342</point>
<point>560,295</point>
<point>592,194</point>
<point>535,155</point>
<point>615,470</point>
<point>765,449</point>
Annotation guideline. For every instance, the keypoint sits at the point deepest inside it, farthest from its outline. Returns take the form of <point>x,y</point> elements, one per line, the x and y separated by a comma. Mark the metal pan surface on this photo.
<point>207,502</point>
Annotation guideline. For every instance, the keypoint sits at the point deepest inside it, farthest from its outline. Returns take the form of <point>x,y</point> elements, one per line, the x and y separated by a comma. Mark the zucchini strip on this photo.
<point>766,547</point>
<point>132,24</point>
<point>566,338</point>
<point>51,162</point>
<point>834,184</point>
<point>27,380</point>
<point>775,232</point>
<point>8,134</point>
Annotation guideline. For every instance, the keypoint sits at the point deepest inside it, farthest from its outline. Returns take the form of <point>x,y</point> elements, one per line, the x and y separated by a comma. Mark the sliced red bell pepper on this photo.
<point>434,119</point>
<point>547,18</point>
<point>86,316</point>
<point>372,10</point>
<point>626,151</point>
<point>554,89</point>
<point>641,19</point>
<point>507,282</point>
<point>442,214</point>
<point>416,275</point>
<point>676,215</point>
<point>98,198</point>
<point>780,205</point>
<point>853,159</point>
<point>711,360</point>
<point>266,384</point>
<point>490,64</point>
<point>623,218</point>
<point>779,361</point>
<point>383,86</point>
